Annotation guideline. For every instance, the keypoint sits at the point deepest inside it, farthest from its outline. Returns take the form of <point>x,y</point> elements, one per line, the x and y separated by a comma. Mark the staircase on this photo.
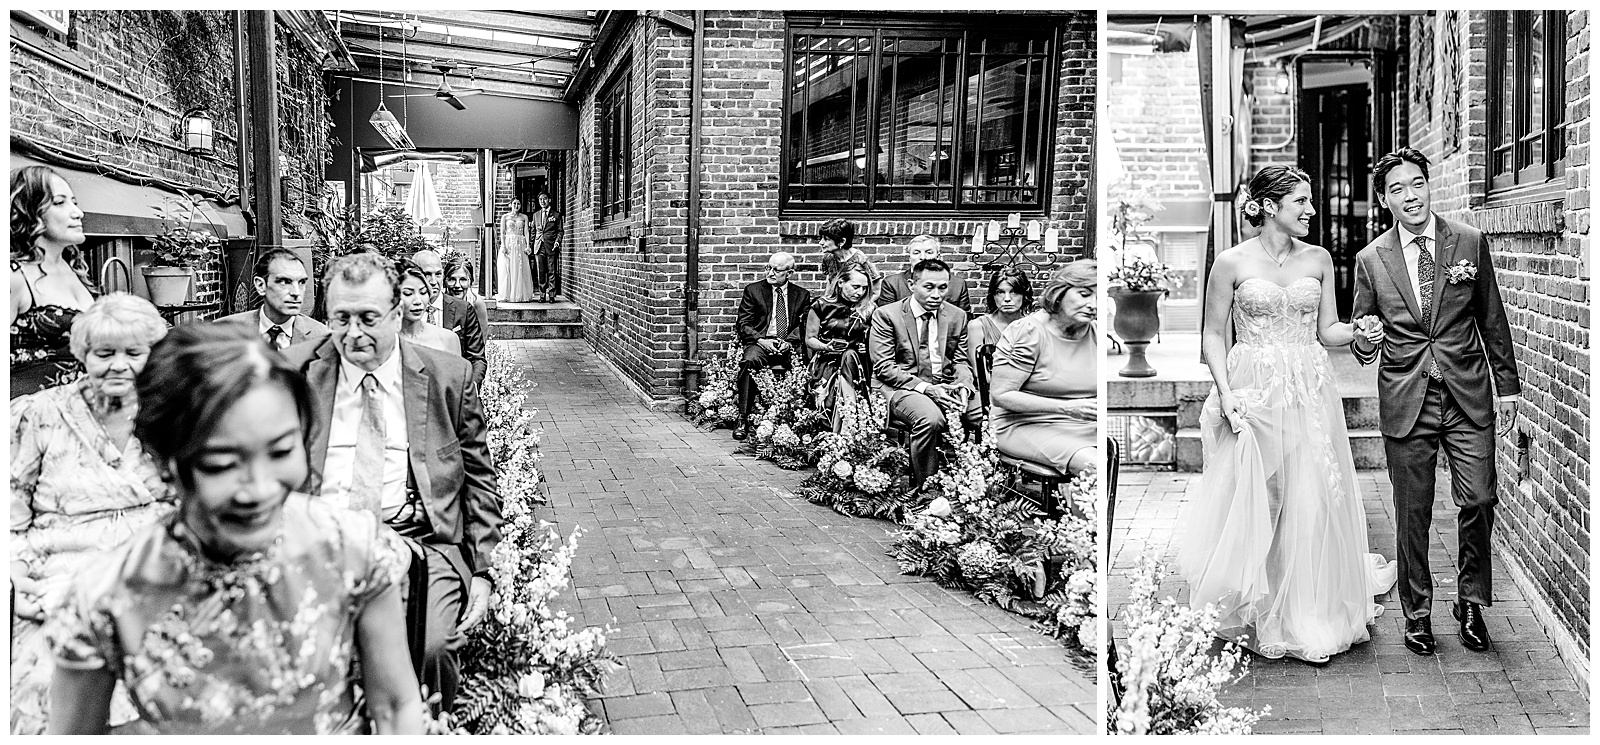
<point>562,320</point>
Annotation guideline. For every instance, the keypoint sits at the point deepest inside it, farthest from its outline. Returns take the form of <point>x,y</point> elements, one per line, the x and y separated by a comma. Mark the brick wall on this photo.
<point>1541,250</point>
<point>102,94</point>
<point>1272,121</point>
<point>633,300</point>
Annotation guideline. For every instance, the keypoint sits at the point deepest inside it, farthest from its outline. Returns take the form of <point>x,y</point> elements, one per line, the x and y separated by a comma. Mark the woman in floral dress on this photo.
<point>252,608</point>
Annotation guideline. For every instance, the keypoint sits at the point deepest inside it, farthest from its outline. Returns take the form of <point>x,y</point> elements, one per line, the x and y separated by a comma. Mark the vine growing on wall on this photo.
<point>195,45</point>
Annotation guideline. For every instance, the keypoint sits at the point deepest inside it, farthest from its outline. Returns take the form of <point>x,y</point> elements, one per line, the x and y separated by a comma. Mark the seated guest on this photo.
<point>919,357</point>
<point>243,610</point>
<point>49,279</point>
<point>836,238</point>
<point>415,300</point>
<point>396,429</point>
<point>1042,395</point>
<point>771,320</point>
<point>453,313</point>
<point>897,287</point>
<point>1010,298</point>
<point>280,279</point>
<point>80,483</point>
<point>836,334</point>
<point>458,279</point>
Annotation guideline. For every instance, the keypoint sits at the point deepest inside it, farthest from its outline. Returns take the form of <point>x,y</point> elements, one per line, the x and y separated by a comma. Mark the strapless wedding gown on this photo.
<point>516,274</point>
<point>1277,537</point>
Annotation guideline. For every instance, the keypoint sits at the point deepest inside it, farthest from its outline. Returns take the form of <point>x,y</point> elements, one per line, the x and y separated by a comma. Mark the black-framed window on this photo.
<point>892,117</point>
<point>615,108</point>
<point>1527,83</point>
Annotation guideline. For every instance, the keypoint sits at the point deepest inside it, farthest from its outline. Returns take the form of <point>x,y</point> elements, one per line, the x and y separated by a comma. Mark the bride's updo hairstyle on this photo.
<point>1270,184</point>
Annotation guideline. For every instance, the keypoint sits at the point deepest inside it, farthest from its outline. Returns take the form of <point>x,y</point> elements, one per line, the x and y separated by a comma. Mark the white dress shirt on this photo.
<point>264,324</point>
<point>438,310</point>
<point>339,468</point>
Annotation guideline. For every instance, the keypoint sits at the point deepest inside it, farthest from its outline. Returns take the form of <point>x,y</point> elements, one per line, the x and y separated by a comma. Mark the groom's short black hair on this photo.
<point>1387,163</point>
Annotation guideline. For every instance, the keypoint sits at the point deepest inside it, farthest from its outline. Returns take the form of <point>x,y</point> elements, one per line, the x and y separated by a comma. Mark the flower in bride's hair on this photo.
<point>1252,208</point>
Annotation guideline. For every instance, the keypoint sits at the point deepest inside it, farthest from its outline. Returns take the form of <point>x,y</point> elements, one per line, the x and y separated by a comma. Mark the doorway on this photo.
<point>1336,135</point>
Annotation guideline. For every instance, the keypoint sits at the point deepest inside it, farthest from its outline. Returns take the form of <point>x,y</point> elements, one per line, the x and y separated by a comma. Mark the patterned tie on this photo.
<point>433,315</point>
<point>276,338</point>
<point>1425,272</point>
<point>780,311</point>
<point>366,485</point>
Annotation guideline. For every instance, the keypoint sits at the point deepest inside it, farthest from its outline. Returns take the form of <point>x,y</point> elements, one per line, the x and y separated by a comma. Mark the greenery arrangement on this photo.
<point>1140,275</point>
<point>860,472</point>
<point>181,245</point>
<point>715,406</point>
<point>195,45</point>
<point>788,428</point>
<point>1171,676</point>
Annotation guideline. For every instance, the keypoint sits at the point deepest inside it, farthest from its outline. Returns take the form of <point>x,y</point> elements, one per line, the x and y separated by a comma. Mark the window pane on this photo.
<point>1005,93</point>
<point>917,96</point>
<point>1535,122</point>
<point>828,117</point>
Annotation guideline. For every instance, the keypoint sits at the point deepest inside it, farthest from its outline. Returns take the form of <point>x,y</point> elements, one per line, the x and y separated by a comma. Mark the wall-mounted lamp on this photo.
<point>196,132</point>
<point>1282,81</point>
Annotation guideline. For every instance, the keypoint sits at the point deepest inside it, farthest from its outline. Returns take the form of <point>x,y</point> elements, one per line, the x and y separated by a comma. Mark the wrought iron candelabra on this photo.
<point>996,246</point>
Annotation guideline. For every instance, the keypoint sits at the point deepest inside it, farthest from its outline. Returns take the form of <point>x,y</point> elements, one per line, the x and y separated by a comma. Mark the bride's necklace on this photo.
<point>1275,259</point>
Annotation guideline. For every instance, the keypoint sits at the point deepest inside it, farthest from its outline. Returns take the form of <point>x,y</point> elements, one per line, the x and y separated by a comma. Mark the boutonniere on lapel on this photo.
<point>1461,271</point>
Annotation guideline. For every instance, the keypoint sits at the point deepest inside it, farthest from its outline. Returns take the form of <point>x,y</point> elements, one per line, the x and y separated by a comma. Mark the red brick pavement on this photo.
<point>741,608</point>
<point>1379,687</point>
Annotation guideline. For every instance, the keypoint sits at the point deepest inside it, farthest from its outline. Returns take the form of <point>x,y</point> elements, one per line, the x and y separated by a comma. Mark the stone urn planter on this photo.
<point>1137,321</point>
<point>168,285</point>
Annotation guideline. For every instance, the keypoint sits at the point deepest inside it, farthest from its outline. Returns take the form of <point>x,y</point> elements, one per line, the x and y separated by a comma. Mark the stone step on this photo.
<point>536,330</point>
<point>1366,449</point>
<point>535,313</point>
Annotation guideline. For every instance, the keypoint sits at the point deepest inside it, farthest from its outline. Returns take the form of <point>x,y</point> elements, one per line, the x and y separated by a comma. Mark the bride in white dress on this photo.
<point>516,274</point>
<point>1277,537</point>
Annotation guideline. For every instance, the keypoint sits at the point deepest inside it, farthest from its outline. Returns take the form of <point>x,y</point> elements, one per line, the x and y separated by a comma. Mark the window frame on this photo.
<point>1041,124</point>
<point>614,112</point>
<point>1525,178</point>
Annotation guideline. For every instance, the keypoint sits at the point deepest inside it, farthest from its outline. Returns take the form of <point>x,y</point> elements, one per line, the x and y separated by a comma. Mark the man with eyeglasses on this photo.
<point>770,323</point>
<point>397,429</point>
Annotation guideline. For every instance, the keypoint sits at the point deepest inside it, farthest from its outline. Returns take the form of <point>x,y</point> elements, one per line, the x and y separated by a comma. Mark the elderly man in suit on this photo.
<point>453,313</point>
<point>918,347</point>
<point>771,322</point>
<point>1447,380</point>
<point>897,287</point>
<point>280,279</point>
<point>397,429</point>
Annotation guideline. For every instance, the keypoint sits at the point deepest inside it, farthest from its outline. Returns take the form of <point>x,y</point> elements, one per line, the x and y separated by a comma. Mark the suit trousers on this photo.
<point>926,423</point>
<point>546,270</point>
<point>446,601</point>
<point>755,360</point>
<point>1470,451</point>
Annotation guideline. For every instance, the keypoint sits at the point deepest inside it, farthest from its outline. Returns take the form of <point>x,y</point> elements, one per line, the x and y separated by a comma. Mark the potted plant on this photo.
<point>1137,286</point>
<point>177,251</point>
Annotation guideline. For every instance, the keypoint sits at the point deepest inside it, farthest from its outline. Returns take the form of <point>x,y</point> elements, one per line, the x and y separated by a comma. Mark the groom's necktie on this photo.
<point>1425,272</point>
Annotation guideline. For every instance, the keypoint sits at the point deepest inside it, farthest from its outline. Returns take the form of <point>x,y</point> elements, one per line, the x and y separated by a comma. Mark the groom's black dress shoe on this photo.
<point>740,430</point>
<point>1419,635</point>
<point>1474,633</point>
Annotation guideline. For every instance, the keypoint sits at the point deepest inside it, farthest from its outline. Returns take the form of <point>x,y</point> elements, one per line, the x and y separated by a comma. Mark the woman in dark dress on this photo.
<point>49,281</point>
<point>836,336</point>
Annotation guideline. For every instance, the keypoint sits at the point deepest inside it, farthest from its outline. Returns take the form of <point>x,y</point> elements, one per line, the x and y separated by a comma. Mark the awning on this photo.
<point>114,208</point>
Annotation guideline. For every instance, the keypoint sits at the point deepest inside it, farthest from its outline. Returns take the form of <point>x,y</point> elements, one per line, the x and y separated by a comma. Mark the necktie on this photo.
<point>780,311</point>
<point>930,339</point>
<point>433,314</point>
<point>276,338</point>
<point>366,484</point>
<point>1425,277</point>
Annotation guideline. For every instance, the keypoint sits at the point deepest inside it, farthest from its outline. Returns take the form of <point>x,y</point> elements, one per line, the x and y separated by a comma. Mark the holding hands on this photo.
<point>1368,327</point>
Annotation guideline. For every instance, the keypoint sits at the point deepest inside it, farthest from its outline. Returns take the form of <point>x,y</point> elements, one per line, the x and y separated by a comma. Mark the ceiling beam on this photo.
<point>395,86</point>
<point>548,24</point>
<point>425,56</point>
<point>429,76</point>
<point>369,32</point>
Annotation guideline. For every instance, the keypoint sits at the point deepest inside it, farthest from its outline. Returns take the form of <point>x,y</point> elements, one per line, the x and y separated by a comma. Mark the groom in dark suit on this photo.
<point>1446,379</point>
<point>918,348</point>
<point>397,429</point>
<point>771,325</point>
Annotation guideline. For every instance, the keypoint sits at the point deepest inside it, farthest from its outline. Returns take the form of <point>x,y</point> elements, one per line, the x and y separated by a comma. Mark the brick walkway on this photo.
<point>741,608</point>
<point>1378,687</point>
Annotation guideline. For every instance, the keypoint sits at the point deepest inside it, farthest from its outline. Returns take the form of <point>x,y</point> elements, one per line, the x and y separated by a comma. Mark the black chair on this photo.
<point>416,609</point>
<point>985,367</point>
<point>1113,465</point>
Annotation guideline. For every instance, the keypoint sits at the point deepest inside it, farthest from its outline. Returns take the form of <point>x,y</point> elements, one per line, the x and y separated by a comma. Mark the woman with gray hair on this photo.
<point>80,483</point>
<point>1043,396</point>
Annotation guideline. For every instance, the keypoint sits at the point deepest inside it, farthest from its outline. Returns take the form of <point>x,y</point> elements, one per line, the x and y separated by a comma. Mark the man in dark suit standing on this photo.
<point>918,347</point>
<point>453,313</point>
<point>397,429</point>
<point>1447,379</point>
<point>897,287</point>
<point>280,279</point>
<point>771,323</point>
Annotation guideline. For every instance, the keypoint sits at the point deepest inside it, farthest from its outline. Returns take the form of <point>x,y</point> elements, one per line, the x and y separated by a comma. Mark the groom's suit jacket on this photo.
<point>1469,336</point>
<point>449,455</point>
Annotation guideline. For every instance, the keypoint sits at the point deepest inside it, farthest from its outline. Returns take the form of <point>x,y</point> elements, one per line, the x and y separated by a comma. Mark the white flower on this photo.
<point>559,725</point>
<point>842,469</point>
<point>764,430</point>
<point>939,507</point>
<point>871,480</point>
<point>531,685</point>
<point>1461,271</point>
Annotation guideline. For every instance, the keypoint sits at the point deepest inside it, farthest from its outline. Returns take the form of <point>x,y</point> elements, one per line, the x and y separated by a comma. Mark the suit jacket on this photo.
<point>449,457</point>
<point>897,287</point>
<point>305,329</point>
<point>462,320</point>
<point>898,359</point>
<point>755,312</point>
<point>1469,336</point>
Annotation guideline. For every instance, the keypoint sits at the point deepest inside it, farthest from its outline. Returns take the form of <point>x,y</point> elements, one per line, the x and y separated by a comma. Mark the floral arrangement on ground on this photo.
<point>1171,677</point>
<point>716,405</point>
<point>526,668</point>
<point>788,431</point>
<point>993,540</point>
<point>860,472</point>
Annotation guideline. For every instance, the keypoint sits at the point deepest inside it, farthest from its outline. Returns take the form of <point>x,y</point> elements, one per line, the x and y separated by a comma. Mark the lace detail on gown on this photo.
<point>1277,536</point>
